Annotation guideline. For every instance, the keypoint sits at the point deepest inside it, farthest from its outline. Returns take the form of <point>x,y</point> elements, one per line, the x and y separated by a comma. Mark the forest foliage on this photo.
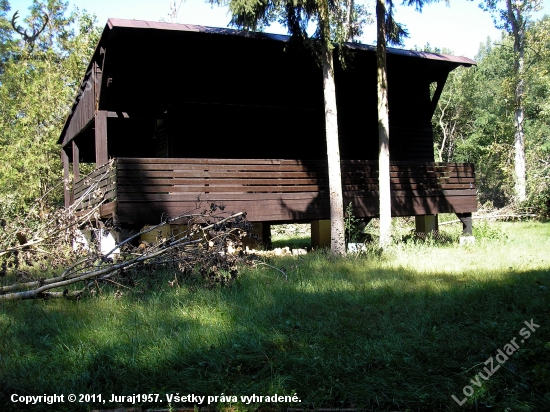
<point>473,123</point>
<point>38,82</point>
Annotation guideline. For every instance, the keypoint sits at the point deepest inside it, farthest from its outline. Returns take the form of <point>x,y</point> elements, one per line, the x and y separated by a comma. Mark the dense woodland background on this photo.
<point>474,121</point>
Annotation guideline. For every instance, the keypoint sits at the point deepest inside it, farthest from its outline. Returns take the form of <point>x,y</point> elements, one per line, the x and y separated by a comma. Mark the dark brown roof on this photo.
<point>148,65</point>
<point>143,24</point>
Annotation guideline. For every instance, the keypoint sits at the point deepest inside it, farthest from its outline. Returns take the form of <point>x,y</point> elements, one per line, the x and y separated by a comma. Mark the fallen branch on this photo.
<point>188,248</point>
<point>55,227</point>
<point>516,216</point>
<point>272,267</point>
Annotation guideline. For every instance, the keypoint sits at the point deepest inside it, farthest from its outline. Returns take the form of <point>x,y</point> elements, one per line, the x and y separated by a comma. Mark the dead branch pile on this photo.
<point>201,250</point>
<point>40,238</point>
<point>38,257</point>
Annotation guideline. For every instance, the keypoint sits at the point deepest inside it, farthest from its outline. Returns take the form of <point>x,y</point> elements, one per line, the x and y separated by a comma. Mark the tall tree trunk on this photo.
<point>350,4</point>
<point>519,138</point>
<point>383,127</point>
<point>337,230</point>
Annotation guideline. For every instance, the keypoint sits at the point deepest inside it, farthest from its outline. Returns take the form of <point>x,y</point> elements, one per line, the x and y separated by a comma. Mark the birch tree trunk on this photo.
<point>383,127</point>
<point>337,231</point>
<point>518,31</point>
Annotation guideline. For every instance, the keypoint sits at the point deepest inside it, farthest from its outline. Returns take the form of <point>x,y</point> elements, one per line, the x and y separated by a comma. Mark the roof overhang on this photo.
<point>139,61</point>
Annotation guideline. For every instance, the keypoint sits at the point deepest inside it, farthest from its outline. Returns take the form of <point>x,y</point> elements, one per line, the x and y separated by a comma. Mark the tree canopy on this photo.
<point>37,85</point>
<point>477,110</point>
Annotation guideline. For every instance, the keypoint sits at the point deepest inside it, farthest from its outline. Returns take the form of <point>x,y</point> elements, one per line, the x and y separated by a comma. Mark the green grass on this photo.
<point>401,331</point>
<point>293,236</point>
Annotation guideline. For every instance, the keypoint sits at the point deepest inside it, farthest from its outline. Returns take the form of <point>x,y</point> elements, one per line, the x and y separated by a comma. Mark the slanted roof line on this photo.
<point>143,24</point>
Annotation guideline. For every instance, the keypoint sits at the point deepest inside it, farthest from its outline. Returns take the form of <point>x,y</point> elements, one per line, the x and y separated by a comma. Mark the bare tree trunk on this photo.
<point>519,138</point>
<point>349,19</point>
<point>337,232</point>
<point>383,127</point>
<point>442,125</point>
<point>444,129</point>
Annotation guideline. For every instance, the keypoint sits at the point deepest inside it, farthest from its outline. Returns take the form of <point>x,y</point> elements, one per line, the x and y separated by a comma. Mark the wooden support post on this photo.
<point>466,219</point>
<point>101,153</point>
<point>266,235</point>
<point>76,162</point>
<point>320,234</point>
<point>263,231</point>
<point>67,191</point>
<point>467,238</point>
<point>426,224</point>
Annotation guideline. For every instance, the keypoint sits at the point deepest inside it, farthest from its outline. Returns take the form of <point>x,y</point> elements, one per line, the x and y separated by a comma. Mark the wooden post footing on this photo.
<point>320,234</point>
<point>426,224</point>
<point>263,231</point>
<point>466,219</point>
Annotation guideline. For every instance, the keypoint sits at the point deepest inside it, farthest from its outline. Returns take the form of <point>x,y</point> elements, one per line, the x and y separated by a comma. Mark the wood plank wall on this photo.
<point>285,190</point>
<point>85,102</point>
<point>88,194</point>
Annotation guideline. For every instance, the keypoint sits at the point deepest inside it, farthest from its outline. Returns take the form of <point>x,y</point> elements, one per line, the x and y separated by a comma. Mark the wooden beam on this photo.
<point>122,115</point>
<point>426,224</point>
<point>101,153</point>
<point>320,234</point>
<point>76,162</point>
<point>466,219</point>
<point>437,95</point>
<point>68,139</point>
<point>263,231</point>
<point>98,73</point>
<point>66,178</point>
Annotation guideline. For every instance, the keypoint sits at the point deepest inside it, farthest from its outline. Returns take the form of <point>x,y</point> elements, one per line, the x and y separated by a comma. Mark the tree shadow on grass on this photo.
<point>378,340</point>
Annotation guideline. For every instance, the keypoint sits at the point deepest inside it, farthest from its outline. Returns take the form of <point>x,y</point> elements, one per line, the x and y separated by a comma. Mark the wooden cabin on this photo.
<point>238,118</point>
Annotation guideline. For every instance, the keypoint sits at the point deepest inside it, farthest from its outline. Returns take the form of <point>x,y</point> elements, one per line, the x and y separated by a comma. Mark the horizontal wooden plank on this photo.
<point>296,210</point>
<point>133,160</point>
<point>281,189</point>
<point>282,161</point>
<point>365,184</point>
<point>218,189</point>
<point>211,174</point>
<point>109,209</point>
<point>221,196</point>
<point>126,177</point>
<point>304,166</point>
<point>104,185</point>
<point>243,167</point>
<point>216,181</point>
<point>355,171</point>
<point>414,190</point>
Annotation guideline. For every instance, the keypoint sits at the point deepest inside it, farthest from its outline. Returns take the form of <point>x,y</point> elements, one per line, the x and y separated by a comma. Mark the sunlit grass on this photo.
<point>405,329</point>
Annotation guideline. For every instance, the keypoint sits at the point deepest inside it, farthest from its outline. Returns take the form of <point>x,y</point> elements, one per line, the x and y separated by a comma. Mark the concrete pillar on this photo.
<point>320,234</point>
<point>467,237</point>
<point>426,223</point>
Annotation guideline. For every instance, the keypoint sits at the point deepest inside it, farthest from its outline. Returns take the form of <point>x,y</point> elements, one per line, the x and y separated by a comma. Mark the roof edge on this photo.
<point>154,25</point>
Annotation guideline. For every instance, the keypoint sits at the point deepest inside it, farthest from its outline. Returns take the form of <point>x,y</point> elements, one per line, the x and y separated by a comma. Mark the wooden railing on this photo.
<point>279,190</point>
<point>96,187</point>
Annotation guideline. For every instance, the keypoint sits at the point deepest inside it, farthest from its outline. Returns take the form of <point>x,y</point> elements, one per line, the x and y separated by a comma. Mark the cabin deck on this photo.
<point>142,190</point>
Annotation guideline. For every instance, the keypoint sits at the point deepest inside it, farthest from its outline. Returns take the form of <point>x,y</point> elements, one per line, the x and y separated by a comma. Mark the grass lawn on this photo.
<point>403,331</point>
